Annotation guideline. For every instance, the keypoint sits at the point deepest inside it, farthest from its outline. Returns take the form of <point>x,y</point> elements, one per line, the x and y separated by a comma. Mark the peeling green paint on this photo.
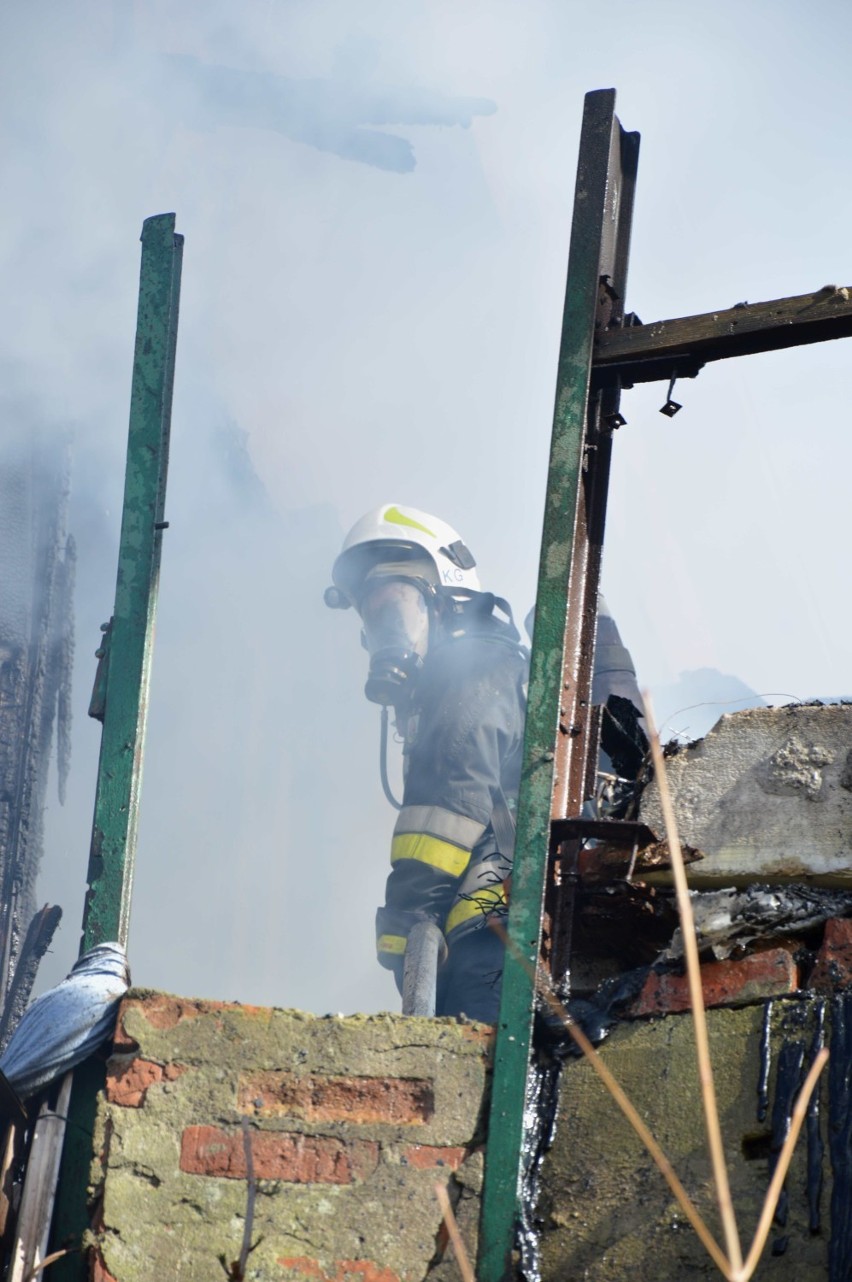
<point>110,874</point>
<point>593,251</point>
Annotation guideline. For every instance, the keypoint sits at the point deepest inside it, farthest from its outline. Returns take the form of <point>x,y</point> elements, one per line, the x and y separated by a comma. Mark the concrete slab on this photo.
<point>766,796</point>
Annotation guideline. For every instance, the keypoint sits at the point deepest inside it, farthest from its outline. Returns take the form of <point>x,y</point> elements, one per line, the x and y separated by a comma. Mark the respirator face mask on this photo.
<point>395,616</point>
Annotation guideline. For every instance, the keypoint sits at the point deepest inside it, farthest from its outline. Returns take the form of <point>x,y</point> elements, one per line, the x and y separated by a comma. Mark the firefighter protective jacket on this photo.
<point>451,853</point>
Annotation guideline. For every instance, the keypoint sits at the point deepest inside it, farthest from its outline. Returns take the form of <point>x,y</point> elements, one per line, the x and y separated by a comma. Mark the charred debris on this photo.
<point>625,916</point>
<point>37,566</point>
<point>766,799</point>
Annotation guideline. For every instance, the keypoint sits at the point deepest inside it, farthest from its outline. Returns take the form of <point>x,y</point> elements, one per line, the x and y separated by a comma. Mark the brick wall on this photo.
<point>350,1122</point>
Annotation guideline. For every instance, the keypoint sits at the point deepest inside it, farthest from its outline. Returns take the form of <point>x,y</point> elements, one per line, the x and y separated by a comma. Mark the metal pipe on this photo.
<point>424,953</point>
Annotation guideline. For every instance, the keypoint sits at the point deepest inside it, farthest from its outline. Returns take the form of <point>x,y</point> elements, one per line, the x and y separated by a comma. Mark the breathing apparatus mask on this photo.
<point>395,615</point>
<point>396,599</point>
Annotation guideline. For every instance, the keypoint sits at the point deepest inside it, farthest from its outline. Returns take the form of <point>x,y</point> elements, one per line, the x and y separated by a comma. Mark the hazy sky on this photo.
<point>376,199</point>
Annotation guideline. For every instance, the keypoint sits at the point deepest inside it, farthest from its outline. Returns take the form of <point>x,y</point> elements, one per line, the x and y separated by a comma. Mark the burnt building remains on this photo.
<point>37,563</point>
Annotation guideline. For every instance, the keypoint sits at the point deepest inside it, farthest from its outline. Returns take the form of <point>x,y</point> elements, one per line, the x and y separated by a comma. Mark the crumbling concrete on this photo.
<point>351,1123</point>
<point>766,796</point>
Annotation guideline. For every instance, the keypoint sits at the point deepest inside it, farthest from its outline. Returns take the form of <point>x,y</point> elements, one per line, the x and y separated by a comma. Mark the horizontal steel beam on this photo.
<point>614,832</point>
<point>646,353</point>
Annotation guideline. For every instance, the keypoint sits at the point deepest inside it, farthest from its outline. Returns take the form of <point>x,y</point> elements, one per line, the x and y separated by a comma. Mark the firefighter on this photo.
<point>447,657</point>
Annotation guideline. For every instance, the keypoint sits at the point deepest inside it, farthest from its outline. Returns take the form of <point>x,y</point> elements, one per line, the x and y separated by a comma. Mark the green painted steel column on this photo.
<point>126,665</point>
<point>120,699</point>
<point>595,237</point>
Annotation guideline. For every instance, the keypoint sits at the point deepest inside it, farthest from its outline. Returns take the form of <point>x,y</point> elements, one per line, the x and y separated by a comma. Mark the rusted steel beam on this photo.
<point>645,353</point>
<point>613,832</point>
<point>559,737</point>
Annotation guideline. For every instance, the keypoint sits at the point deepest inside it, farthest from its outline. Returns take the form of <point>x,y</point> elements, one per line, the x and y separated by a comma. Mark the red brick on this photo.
<point>98,1271</point>
<point>833,966</point>
<point>277,1155</point>
<point>366,1270</point>
<point>163,1011</point>
<point>426,1157</point>
<point>317,1098</point>
<point>483,1036</point>
<point>729,983</point>
<point>128,1081</point>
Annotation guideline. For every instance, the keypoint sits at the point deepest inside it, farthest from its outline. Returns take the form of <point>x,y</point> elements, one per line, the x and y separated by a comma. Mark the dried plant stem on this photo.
<point>455,1237</point>
<point>49,1259</point>
<point>735,1270</point>
<point>668,1172</point>
<point>544,986</point>
<point>693,970</point>
<point>731,1266</point>
<point>777,1182</point>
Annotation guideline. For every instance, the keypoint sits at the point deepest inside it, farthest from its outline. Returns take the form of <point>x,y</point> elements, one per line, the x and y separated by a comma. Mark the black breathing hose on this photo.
<point>383,761</point>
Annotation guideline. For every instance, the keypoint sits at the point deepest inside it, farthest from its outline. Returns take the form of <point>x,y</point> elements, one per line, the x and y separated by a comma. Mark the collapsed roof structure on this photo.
<point>37,562</point>
<point>343,1135</point>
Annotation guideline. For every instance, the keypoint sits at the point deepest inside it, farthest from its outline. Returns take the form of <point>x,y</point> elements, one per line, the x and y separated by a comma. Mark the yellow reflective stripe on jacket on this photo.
<point>438,822</point>
<point>430,850</point>
<point>391,944</point>
<point>485,901</point>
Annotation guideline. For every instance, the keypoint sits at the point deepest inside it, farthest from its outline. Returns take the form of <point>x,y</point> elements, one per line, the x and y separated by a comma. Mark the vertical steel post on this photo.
<point>120,699</point>
<point>558,729</point>
<point>129,639</point>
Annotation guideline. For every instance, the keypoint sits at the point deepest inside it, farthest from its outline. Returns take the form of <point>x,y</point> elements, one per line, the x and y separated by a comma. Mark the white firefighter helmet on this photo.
<point>402,540</point>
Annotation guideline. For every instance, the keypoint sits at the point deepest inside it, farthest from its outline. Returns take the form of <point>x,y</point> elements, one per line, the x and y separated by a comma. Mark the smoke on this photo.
<point>330,115</point>
<point>373,277</point>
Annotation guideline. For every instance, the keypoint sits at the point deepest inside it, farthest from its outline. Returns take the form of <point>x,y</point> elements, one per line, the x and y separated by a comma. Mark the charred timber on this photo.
<point>36,649</point>
<point>679,348</point>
